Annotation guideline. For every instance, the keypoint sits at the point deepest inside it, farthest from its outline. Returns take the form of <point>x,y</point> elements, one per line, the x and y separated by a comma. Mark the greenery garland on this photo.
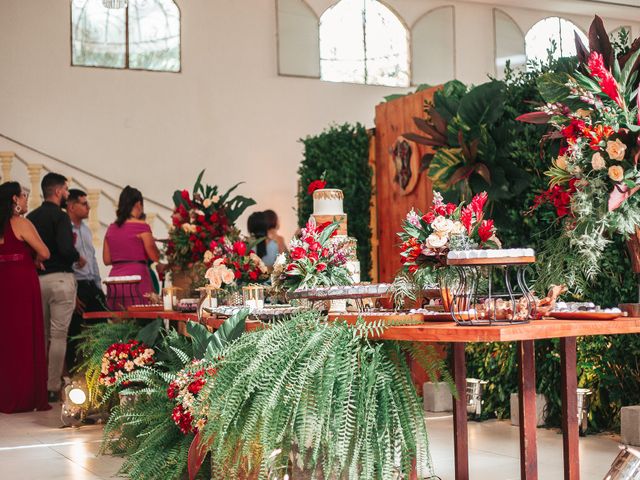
<point>341,154</point>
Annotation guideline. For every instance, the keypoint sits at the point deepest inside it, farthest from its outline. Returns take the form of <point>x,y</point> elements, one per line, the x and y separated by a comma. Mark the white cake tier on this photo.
<point>497,253</point>
<point>328,201</point>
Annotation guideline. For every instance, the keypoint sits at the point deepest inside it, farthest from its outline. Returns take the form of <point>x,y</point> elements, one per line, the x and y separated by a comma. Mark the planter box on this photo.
<point>630,425</point>
<point>437,397</point>
<point>541,409</point>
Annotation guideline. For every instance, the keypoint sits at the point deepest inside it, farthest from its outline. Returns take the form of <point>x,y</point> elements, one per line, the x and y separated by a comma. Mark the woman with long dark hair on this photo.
<point>23,365</point>
<point>128,246</point>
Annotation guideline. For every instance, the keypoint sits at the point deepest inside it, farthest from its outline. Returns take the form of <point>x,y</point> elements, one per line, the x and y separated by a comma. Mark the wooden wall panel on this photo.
<point>392,120</point>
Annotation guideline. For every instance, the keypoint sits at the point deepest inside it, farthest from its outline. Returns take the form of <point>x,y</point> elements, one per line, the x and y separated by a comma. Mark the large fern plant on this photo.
<point>323,395</point>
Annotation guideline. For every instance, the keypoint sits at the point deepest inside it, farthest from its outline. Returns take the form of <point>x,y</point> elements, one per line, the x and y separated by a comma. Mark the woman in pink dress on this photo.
<point>23,364</point>
<point>128,246</point>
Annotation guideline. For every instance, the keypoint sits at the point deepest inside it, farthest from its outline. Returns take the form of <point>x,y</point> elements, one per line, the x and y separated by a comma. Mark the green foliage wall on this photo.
<point>342,153</point>
<point>608,365</point>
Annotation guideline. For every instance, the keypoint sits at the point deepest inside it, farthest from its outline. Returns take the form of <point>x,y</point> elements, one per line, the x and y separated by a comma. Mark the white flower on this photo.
<point>442,225</point>
<point>437,198</point>
<point>436,241</point>
<point>458,228</point>
<point>616,150</point>
<point>597,161</point>
<point>206,203</point>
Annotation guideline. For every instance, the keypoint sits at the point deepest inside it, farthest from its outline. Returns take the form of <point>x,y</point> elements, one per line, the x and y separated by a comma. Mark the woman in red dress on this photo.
<point>23,365</point>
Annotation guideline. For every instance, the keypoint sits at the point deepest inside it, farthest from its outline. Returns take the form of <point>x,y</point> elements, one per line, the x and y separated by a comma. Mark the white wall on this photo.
<point>227,111</point>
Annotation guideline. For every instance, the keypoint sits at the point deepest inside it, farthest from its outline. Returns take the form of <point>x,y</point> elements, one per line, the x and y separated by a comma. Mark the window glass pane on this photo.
<point>342,43</point>
<point>362,41</point>
<point>387,46</point>
<point>154,35</point>
<point>557,30</point>
<point>97,34</point>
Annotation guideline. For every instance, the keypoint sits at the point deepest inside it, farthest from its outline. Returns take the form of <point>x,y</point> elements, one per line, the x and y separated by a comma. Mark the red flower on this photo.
<point>321,267</point>
<point>213,244</point>
<point>485,230</point>
<point>237,274</point>
<point>316,185</point>
<point>185,196</point>
<point>253,275</point>
<point>240,248</point>
<point>466,217</point>
<point>606,81</point>
<point>451,207</point>
<point>290,267</point>
<point>213,218</point>
<point>478,202</point>
<point>429,217</point>
<point>298,253</point>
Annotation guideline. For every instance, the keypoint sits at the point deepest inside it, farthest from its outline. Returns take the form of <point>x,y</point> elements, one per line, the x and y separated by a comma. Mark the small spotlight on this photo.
<point>74,407</point>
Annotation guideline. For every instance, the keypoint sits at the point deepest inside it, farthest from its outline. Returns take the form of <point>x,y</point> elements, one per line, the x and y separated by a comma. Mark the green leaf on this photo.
<point>198,185</point>
<point>394,96</point>
<point>327,232</point>
<point>553,86</point>
<point>232,328</point>
<point>149,334</point>
<point>627,70</point>
<point>443,165</point>
<point>482,105</point>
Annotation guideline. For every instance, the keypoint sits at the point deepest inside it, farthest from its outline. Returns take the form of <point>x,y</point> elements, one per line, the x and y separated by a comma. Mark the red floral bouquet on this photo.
<point>200,222</point>
<point>184,390</point>
<point>233,263</point>
<point>313,260</point>
<point>123,358</point>
<point>427,238</point>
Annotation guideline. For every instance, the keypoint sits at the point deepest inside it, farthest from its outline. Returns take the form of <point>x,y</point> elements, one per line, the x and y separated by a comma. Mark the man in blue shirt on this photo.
<point>90,297</point>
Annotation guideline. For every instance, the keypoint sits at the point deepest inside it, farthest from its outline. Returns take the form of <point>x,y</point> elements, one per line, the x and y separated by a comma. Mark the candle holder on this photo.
<point>474,300</point>
<point>253,296</point>
<point>170,297</point>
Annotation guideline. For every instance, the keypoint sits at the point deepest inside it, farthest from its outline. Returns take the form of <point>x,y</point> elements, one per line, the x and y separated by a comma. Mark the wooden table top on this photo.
<point>442,331</point>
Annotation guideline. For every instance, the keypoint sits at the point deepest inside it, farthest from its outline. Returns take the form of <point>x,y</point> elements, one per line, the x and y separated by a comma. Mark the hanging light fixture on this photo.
<point>114,3</point>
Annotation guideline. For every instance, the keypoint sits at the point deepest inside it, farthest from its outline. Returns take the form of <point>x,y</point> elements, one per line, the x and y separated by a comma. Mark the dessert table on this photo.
<point>524,335</point>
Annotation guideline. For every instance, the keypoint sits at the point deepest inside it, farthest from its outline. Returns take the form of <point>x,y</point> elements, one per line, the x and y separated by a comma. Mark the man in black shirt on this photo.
<point>57,282</point>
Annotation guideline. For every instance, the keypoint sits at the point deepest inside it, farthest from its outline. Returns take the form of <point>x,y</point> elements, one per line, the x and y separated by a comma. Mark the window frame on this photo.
<point>126,46</point>
<point>559,18</point>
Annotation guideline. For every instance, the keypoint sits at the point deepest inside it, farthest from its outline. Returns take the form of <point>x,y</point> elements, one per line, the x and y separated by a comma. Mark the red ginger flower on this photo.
<point>478,202</point>
<point>485,230</point>
<point>316,185</point>
<point>605,79</point>
<point>466,218</point>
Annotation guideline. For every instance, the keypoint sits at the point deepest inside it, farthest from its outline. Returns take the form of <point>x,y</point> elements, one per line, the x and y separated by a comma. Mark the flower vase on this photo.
<point>445,291</point>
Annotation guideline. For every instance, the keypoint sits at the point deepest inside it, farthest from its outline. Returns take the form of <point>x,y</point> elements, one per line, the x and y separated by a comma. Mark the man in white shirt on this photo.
<point>90,295</point>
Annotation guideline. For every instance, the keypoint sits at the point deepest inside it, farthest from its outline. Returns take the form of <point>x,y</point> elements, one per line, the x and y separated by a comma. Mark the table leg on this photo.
<point>460,434</point>
<point>528,413</point>
<point>570,429</point>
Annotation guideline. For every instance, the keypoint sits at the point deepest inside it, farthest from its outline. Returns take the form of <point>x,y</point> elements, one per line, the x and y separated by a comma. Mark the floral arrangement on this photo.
<point>184,390</point>
<point>313,260</point>
<point>201,220</point>
<point>427,238</point>
<point>232,264</point>
<point>316,185</point>
<point>123,358</point>
<point>594,178</point>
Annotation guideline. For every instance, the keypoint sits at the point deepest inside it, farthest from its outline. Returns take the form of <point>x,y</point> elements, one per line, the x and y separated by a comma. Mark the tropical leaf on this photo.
<point>150,333</point>
<point>553,86</point>
<point>414,137</point>
<point>198,185</point>
<point>483,104</point>
<point>425,161</point>
<point>538,118</point>
<point>599,41</point>
<point>230,330</point>
<point>443,165</point>
<point>581,49</point>
<point>237,206</point>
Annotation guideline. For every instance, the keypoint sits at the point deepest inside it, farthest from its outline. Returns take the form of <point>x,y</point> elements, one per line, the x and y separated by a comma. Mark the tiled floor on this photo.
<point>34,447</point>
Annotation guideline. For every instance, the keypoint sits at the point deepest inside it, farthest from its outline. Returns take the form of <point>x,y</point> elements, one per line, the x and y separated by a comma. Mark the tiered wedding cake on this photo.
<point>328,207</point>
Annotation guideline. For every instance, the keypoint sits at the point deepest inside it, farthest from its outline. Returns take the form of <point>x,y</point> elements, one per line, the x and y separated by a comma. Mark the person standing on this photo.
<point>23,377</point>
<point>57,283</point>
<point>90,297</point>
<point>129,246</point>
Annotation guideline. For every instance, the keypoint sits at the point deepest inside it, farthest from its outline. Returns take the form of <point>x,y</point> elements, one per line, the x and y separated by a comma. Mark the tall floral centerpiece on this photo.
<point>593,113</point>
<point>313,260</point>
<point>202,220</point>
<point>427,238</point>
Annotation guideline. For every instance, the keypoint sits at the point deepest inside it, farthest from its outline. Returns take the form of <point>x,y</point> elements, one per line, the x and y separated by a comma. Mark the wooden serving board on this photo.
<point>395,318</point>
<point>471,262</point>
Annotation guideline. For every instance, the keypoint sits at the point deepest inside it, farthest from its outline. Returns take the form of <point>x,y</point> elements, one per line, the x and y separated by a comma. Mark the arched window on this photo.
<point>433,47</point>
<point>553,29</point>
<point>363,41</point>
<point>509,43</point>
<point>144,35</point>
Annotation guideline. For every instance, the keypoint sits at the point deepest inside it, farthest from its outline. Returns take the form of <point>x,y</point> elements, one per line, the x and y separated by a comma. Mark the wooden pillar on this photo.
<point>460,433</point>
<point>35,196</point>
<point>373,222</point>
<point>93,197</point>
<point>570,429</point>
<point>6,161</point>
<point>528,412</point>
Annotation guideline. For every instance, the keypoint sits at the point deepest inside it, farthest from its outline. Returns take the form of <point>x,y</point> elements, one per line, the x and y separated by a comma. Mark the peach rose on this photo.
<point>213,275</point>
<point>206,203</point>
<point>207,256</point>
<point>561,162</point>
<point>616,150</point>
<point>442,225</point>
<point>228,276</point>
<point>435,241</point>
<point>616,173</point>
<point>597,161</point>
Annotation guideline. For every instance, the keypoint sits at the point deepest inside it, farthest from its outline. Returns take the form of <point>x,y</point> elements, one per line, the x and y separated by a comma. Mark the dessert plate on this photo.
<point>586,315</point>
